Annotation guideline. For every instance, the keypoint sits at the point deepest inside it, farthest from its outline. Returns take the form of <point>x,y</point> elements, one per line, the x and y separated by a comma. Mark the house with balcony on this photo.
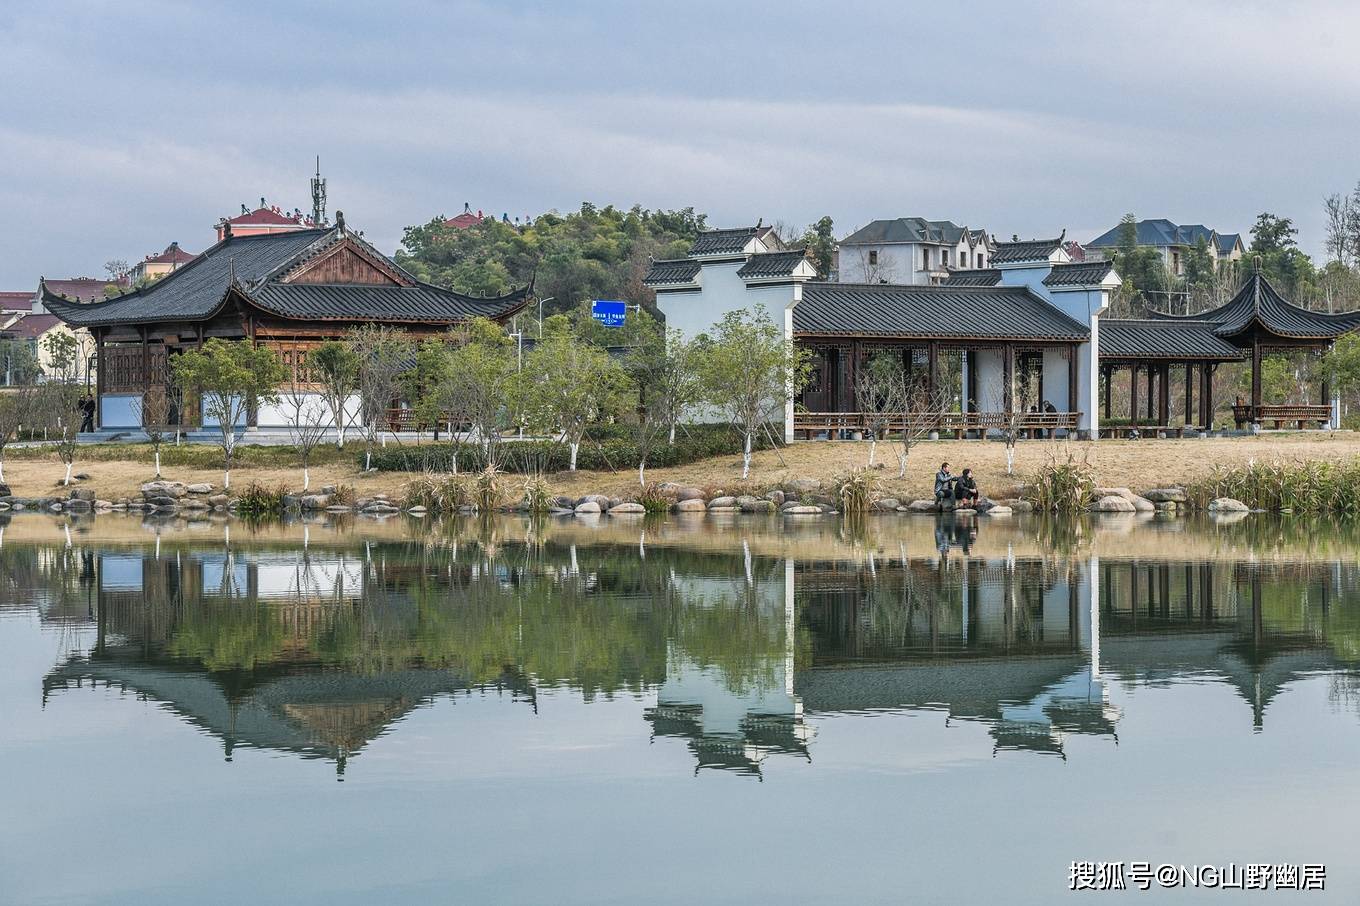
<point>911,251</point>
<point>1173,242</point>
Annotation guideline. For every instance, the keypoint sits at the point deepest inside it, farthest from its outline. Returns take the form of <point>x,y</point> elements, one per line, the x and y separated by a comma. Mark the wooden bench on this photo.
<point>958,423</point>
<point>1299,414</point>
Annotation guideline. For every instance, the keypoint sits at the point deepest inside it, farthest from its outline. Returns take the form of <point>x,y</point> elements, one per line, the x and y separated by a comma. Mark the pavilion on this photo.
<point>1258,320</point>
<point>290,290</point>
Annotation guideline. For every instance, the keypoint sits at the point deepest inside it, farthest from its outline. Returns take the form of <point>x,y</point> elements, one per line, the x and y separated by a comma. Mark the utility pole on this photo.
<point>318,196</point>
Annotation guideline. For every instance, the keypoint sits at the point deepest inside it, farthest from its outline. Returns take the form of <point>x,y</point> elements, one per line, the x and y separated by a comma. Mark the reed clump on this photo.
<point>1310,488</point>
<point>1065,487</point>
<point>538,495</point>
<point>259,501</point>
<point>856,490</point>
<point>438,493</point>
<point>656,500</point>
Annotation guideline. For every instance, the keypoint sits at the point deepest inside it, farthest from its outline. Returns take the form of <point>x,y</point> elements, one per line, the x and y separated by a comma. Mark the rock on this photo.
<point>997,509</point>
<point>1112,492</point>
<point>627,509</point>
<point>600,501</point>
<point>195,503</point>
<point>747,502</point>
<point>804,485</point>
<point>219,500</point>
<point>691,505</point>
<point>587,507</point>
<point>55,507</point>
<point>1020,505</point>
<point>1112,503</point>
<point>1166,495</point>
<point>689,494</point>
<point>83,494</point>
<point>338,508</point>
<point>921,506</point>
<point>965,511</point>
<point>201,488</point>
<point>560,511</point>
<point>417,510</point>
<point>290,501</point>
<point>164,489</point>
<point>776,497</point>
<point>1227,505</point>
<point>78,505</point>
<point>887,504</point>
<point>328,489</point>
<point>719,510</point>
<point>5,490</point>
<point>722,502</point>
<point>1141,504</point>
<point>314,501</point>
<point>81,476</point>
<point>564,503</point>
<point>802,510</point>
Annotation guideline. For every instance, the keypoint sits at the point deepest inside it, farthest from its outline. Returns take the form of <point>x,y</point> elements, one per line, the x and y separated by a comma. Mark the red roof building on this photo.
<point>465,219</point>
<point>265,219</point>
<point>78,289</point>
<point>15,301</point>
<point>154,266</point>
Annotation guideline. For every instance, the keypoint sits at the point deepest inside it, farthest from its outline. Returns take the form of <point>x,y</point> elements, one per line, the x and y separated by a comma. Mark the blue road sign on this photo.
<point>610,314</point>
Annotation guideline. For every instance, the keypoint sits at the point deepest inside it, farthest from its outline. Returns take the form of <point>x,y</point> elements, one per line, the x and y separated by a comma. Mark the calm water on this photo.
<point>739,711</point>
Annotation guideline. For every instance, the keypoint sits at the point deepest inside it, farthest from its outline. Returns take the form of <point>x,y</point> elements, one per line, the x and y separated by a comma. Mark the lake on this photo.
<point>741,709</point>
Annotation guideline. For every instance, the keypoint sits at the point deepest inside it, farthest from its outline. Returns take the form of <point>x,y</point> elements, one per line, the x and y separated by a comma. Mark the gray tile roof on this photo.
<point>671,270</point>
<point>722,242</point>
<point>911,229</point>
<point>1257,306</point>
<point>254,265</point>
<point>1025,250</point>
<point>1079,273</point>
<point>931,312</point>
<point>1152,339</point>
<point>1160,232</point>
<point>771,264</point>
<point>983,277</point>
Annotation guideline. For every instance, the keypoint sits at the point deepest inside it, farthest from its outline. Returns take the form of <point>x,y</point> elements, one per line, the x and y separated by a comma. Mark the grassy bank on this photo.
<point>118,470</point>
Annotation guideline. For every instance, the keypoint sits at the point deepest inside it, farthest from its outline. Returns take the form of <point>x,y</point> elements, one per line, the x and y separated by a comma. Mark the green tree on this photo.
<point>1271,234</point>
<point>334,368</point>
<point>749,370</point>
<point>18,364</point>
<point>571,385</point>
<point>481,386</point>
<point>820,243</point>
<point>231,377</point>
<point>62,353</point>
<point>384,355</point>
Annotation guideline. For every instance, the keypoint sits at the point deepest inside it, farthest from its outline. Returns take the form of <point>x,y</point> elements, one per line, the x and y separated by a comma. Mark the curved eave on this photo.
<point>105,314</point>
<point>511,304</point>
<point>972,340</point>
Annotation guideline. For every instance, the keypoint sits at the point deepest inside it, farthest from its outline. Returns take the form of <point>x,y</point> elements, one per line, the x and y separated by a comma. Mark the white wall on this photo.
<point>991,380</point>
<point>1055,379</point>
<point>120,410</point>
<point>282,413</point>
<point>897,263</point>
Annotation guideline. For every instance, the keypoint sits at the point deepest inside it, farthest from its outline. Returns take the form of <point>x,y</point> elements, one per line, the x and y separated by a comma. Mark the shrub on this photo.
<point>538,495</point>
<point>258,501</point>
<point>1063,487</point>
<point>611,452</point>
<point>437,493</point>
<point>656,500</point>
<point>344,495</point>
<point>856,491</point>
<point>486,490</point>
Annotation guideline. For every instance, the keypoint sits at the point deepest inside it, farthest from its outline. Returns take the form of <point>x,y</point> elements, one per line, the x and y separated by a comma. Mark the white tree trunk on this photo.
<point>901,465</point>
<point>158,462</point>
<point>873,447</point>
<point>642,480</point>
<point>575,445</point>
<point>226,479</point>
<point>1010,459</point>
<point>368,460</point>
<point>746,458</point>
<point>2,469</point>
<point>455,462</point>
<point>672,437</point>
<point>67,480</point>
<point>306,479</point>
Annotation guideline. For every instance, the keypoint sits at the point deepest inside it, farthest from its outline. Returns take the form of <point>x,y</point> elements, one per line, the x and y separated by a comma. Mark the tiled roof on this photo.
<point>1227,242</point>
<point>82,289</point>
<point>982,277</point>
<point>463,221</point>
<point>1151,339</point>
<point>16,301</point>
<point>772,264</point>
<point>1080,273</point>
<point>672,270</point>
<point>256,264</point>
<point>1025,250</point>
<point>173,254</point>
<point>1160,232</point>
<point>944,312</point>
<point>911,229</point>
<point>30,327</point>
<point>1258,306</point>
<point>723,242</point>
<point>264,217</point>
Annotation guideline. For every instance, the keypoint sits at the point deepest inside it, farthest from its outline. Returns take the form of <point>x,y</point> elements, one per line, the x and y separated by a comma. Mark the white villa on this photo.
<point>911,250</point>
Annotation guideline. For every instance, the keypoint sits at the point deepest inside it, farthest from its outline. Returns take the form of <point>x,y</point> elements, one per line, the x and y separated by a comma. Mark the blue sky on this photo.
<point>124,126</point>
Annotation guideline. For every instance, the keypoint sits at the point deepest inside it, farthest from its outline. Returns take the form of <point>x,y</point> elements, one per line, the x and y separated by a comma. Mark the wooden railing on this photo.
<point>1301,413</point>
<point>958,423</point>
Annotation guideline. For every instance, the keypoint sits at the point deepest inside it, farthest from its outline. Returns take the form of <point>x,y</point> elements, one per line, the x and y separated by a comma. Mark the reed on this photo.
<point>1310,488</point>
<point>258,501</point>
<point>1065,487</point>
<point>655,500</point>
<point>486,490</point>
<point>538,495</point>
<point>438,493</point>
<point>856,491</point>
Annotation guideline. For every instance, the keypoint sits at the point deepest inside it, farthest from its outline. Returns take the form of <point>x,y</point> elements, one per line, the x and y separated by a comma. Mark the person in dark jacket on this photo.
<point>86,408</point>
<point>944,482</point>
<point>965,488</point>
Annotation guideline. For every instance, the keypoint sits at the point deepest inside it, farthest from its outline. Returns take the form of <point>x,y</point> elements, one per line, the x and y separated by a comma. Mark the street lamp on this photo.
<point>540,314</point>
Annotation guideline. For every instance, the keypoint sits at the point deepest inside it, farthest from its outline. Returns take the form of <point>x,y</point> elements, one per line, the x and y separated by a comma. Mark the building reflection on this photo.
<point>318,652</point>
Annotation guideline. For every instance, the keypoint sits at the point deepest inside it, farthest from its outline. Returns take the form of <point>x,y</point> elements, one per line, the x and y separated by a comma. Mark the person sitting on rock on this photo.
<point>944,482</point>
<point>966,489</point>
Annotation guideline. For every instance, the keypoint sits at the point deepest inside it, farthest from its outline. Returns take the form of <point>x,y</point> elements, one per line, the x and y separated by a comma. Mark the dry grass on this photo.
<point>1136,464</point>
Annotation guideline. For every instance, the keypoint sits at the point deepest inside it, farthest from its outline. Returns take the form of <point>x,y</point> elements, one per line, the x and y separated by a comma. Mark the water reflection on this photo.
<point>738,652</point>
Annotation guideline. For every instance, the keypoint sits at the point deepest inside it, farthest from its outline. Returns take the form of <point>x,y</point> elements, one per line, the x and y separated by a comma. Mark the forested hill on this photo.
<point>593,253</point>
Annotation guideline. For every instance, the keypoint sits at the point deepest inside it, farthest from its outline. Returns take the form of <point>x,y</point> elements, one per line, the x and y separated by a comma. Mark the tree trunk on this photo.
<point>671,441</point>
<point>306,479</point>
<point>368,459</point>
<point>902,465</point>
<point>1010,459</point>
<point>455,460</point>
<point>574,446</point>
<point>226,479</point>
<point>642,479</point>
<point>67,480</point>
<point>873,447</point>
<point>158,462</point>
<point>2,468</point>
<point>746,458</point>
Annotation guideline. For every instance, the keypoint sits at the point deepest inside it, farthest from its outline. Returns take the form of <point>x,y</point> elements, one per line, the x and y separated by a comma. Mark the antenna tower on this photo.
<point>318,196</point>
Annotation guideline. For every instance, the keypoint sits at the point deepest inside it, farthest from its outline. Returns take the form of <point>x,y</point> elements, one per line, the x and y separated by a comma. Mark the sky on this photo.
<point>125,126</point>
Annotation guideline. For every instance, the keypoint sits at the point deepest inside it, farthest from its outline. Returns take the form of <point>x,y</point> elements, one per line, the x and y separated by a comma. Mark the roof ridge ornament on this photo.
<point>340,222</point>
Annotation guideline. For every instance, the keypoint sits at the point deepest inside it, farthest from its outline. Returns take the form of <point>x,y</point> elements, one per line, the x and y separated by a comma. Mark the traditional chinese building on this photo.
<point>289,290</point>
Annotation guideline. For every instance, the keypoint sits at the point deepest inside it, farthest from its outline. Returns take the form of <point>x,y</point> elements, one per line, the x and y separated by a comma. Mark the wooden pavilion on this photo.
<point>290,290</point>
<point>1258,321</point>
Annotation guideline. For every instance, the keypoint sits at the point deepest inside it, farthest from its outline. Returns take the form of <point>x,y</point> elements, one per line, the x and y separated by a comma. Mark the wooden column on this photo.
<point>1072,377</point>
<point>1164,396</point>
<point>970,404</point>
<point>1151,391</point>
<point>1255,379</point>
<point>1206,394</point>
<point>1189,393</point>
<point>1109,382</point>
<point>933,375</point>
<point>1133,394</point>
<point>1008,377</point>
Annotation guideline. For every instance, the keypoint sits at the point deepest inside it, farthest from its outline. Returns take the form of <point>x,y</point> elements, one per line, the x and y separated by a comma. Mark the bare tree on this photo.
<point>307,416</point>
<point>153,414</point>
<point>1341,215</point>
<point>881,396</point>
<point>16,410</point>
<point>1021,400</point>
<point>384,355</point>
<point>874,268</point>
<point>919,415</point>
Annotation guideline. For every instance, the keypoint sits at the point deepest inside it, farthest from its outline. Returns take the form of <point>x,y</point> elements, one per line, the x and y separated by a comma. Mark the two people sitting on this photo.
<point>961,488</point>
